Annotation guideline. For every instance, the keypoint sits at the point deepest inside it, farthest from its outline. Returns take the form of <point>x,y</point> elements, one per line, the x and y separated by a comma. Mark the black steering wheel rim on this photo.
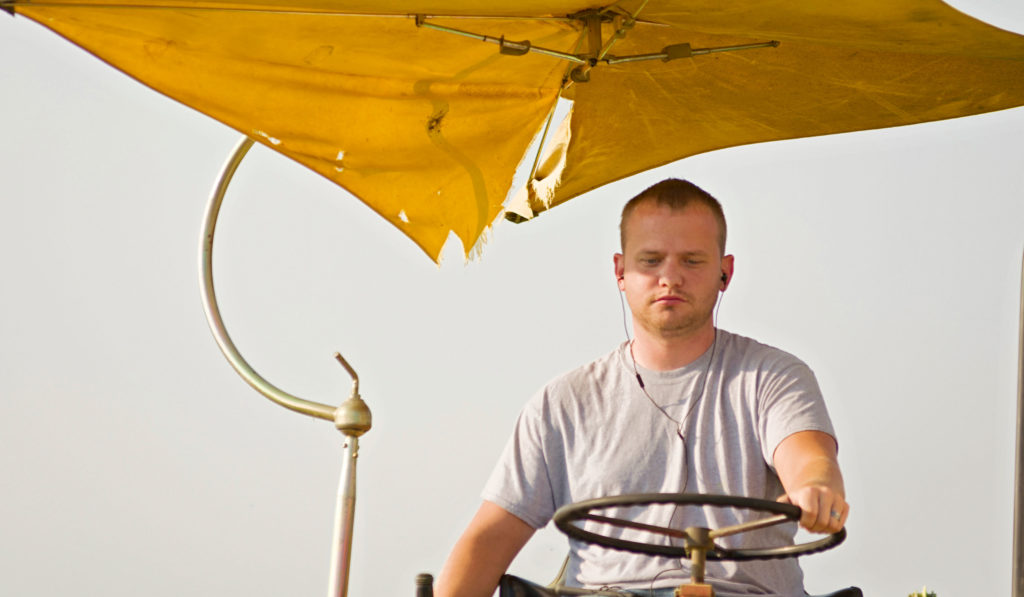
<point>569,514</point>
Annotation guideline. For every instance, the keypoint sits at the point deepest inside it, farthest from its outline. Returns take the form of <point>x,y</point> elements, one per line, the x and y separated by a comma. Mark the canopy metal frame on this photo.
<point>352,417</point>
<point>598,49</point>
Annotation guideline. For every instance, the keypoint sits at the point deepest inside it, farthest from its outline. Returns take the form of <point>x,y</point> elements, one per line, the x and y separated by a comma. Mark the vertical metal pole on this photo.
<point>344,518</point>
<point>352,419</point>
<point>1018,506</point>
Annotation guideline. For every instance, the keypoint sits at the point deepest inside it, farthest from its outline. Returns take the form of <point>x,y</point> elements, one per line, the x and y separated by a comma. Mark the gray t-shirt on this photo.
<point>593,433</point>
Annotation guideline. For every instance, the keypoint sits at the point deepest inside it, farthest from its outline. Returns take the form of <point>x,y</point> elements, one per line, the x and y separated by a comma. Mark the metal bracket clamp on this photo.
<point>677,51</point>
<point>513,48</point>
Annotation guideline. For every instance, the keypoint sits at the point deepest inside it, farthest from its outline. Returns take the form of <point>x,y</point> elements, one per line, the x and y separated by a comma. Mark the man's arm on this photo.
<point>809,470</point>
<point>482,553</point>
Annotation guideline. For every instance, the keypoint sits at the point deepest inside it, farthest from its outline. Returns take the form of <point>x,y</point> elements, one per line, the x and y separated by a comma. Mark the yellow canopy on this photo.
<point>427,127</point>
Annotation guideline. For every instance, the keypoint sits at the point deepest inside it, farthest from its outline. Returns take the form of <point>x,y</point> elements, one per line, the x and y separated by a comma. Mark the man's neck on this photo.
<point>660,353</point>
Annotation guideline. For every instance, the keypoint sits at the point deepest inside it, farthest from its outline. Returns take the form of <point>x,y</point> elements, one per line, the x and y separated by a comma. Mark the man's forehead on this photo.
<point>693,220</point>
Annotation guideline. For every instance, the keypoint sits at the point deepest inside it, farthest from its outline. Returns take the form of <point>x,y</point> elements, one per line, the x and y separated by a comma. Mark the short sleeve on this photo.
<point>789,401</point>
<point>520,483</point>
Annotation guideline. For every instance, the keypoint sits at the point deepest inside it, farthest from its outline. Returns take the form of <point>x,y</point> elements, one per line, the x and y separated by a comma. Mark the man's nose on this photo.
<point>671,275</point>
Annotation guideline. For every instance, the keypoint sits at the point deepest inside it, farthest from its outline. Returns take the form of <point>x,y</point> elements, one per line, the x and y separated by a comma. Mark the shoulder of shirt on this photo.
<point>605,362</point>
<point>561,385</point>
<point>749,349</point>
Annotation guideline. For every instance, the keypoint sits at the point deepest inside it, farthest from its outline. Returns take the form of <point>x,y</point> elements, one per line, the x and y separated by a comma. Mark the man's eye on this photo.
<point>649,260</point>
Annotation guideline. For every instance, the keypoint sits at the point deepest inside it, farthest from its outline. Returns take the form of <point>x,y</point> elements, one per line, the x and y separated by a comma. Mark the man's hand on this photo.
<point>807,466</point>
<point>825,511</point>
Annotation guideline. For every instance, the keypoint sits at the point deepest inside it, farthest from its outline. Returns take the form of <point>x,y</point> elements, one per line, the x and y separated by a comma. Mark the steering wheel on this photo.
<point>698,542</point>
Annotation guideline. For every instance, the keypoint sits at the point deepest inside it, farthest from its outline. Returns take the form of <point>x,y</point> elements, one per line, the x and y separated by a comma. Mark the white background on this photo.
<point>135,462</point>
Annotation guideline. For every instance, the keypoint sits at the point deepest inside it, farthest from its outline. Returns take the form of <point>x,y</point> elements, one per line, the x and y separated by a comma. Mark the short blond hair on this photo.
<point>675,194</point>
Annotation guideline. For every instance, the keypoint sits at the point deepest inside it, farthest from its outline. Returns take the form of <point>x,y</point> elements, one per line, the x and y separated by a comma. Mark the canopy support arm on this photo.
<point>514,48</point>
<point>351,417</point>
<point>677,51</point>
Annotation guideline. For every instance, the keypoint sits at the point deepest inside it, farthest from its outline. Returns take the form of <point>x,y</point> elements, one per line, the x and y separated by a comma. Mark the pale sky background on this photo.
<point>135,462</point>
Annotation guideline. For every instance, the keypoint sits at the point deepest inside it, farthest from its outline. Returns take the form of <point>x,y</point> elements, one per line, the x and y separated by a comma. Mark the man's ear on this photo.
<point>728,268</point>
<point>620,270</point>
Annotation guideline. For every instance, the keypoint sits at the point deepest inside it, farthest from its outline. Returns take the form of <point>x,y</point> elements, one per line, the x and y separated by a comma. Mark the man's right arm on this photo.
<point>483,553</point>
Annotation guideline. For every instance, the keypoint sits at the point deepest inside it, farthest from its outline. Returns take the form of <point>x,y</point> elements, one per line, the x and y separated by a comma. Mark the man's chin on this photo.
<point>675,328</point>
<point>678,327</point>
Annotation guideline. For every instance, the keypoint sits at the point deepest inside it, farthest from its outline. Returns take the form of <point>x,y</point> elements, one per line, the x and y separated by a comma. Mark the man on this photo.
<point>682,408</point>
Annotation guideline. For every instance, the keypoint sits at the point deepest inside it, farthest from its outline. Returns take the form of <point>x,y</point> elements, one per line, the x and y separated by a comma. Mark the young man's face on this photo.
<point>671,269</point>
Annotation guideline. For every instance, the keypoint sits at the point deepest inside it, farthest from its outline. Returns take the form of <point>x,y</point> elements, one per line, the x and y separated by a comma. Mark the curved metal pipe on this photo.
<point>351,417</point>
<point>213,317</point>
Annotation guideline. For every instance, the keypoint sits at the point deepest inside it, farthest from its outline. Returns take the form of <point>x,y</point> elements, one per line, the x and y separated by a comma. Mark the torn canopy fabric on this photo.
<point>427,127</point>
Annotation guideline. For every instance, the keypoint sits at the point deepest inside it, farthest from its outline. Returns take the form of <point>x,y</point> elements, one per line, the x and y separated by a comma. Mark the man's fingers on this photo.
<point>823,511</point>
<point>840,521</point>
